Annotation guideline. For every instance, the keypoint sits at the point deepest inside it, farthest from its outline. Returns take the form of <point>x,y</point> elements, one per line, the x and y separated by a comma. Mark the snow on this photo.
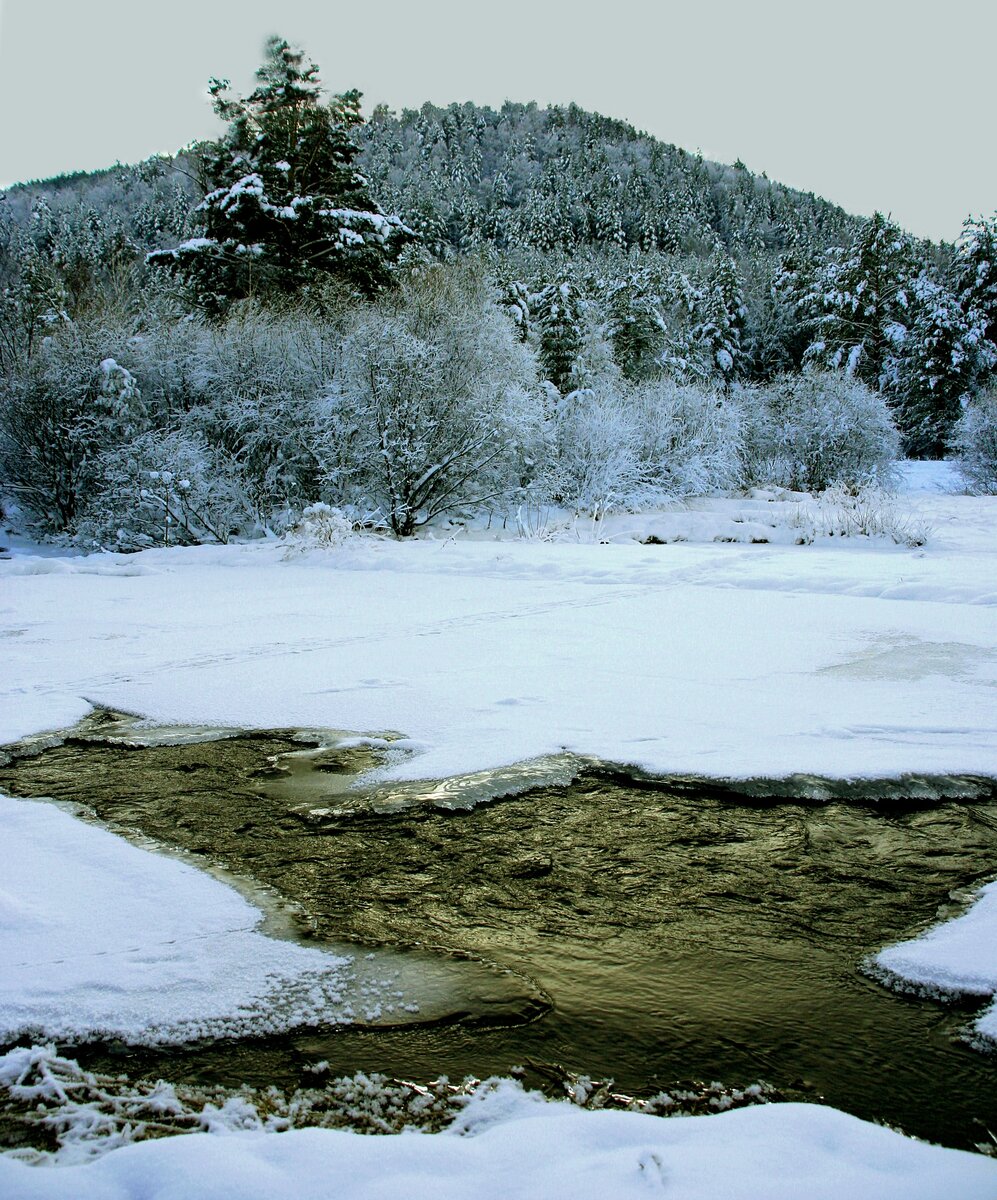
<point>848,657</point>
<point>919,478</point>
<point>196,243</point>
<point>381,226</point>
<point>512,1145</point>
<point>959,956</point>
<point>124,943</point>
<point>248,185</point>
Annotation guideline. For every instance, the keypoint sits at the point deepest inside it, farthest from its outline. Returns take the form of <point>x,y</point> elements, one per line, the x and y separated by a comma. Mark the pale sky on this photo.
<point>874,104</point>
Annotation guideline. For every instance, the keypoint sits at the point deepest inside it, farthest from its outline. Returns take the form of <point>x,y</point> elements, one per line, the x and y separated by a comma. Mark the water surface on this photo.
<point>652,934</point>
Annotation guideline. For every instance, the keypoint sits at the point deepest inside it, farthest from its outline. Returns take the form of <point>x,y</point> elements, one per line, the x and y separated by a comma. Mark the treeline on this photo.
<point>422,402</point>
<point>456,307</point>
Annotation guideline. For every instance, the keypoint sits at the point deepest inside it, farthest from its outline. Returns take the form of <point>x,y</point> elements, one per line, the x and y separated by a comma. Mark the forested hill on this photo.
<point>545,179</point>
<point>562,178</point>
<point>410,315</point>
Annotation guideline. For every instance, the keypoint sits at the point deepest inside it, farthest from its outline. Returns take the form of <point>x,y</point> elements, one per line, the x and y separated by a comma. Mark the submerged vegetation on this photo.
<point>56,1109</point>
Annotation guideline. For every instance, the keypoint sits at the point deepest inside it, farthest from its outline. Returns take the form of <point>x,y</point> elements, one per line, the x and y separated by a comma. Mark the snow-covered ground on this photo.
<point>513,1146</point>
<point>847,657</point>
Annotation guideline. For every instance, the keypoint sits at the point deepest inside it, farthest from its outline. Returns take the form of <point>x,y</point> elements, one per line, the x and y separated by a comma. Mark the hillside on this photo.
<point>523,176</point>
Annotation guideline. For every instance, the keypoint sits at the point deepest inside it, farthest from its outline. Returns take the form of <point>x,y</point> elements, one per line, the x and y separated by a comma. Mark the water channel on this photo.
<point>646,932</point>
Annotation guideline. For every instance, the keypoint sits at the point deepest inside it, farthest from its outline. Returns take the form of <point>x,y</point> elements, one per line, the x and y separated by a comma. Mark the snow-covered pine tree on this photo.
<point>559,316</point>
<point>944,355</point>
<point>719,321</point>
<point>682,357</point>
<point>973,274</point>
<point>32,297</point>
<point>794,303</point>
<point>515,298</point>
<point>862,303</point>
<point>636,326</point>
<point>286,203</point>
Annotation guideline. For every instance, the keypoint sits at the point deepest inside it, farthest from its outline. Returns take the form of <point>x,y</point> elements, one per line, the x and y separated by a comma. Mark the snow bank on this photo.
<point>99,938</point>
<point>103,564</point>
<point>513,1145</point>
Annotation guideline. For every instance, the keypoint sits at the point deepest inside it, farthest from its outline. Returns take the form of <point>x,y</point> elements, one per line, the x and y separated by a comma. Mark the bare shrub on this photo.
<point>869,512</point>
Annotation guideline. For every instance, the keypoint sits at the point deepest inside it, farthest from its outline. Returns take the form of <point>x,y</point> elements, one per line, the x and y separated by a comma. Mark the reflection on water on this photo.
<point>679,933</point>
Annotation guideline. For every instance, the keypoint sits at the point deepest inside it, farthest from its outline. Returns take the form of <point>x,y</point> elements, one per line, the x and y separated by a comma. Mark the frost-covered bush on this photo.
<point>96,430</point>
<point>72,401</point>
<point>431,406</point>
<point>255,393</point>
<point>617,447</point>
<point>422,403</point>
<point>321,527</point>
<point>808,432</point>
<point>689,439</point>
<point>974,441</point>
<point>597,466</point>
<point>163,489</point>
<point>868,512</point>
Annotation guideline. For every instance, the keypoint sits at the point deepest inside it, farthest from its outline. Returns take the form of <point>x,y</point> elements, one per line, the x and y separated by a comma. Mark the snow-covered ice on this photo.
<point>102,938</point>
<point>839,658</point>
<point>957,956</point>
<point>847,658</point>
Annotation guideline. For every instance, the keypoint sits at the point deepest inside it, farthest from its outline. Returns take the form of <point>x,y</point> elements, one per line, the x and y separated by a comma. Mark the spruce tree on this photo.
<point>944,356</point>
<point>286,204</point>
<point>635,323</point>
<point>559,313</point>
<point>719,321</point>
<point>862,303</point>
<point>973,274</point>
<point>794,302</point>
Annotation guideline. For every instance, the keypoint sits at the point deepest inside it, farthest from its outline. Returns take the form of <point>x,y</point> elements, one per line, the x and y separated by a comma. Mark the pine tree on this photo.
<point>720,317</point>
<point>32,297</point>
<point>635,324</point>
<point>286,204</point>
<point>794,303</point>
<point>944,356</point>
<point>973,274</point>
<point>559,313</point>
<point>862,303</point>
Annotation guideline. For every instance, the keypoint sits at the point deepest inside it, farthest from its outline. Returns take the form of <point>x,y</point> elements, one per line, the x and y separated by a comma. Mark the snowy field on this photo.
<point>723,650</point>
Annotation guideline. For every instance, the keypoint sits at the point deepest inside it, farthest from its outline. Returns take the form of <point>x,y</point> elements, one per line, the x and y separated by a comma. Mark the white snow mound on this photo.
<point>513,1148</point>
